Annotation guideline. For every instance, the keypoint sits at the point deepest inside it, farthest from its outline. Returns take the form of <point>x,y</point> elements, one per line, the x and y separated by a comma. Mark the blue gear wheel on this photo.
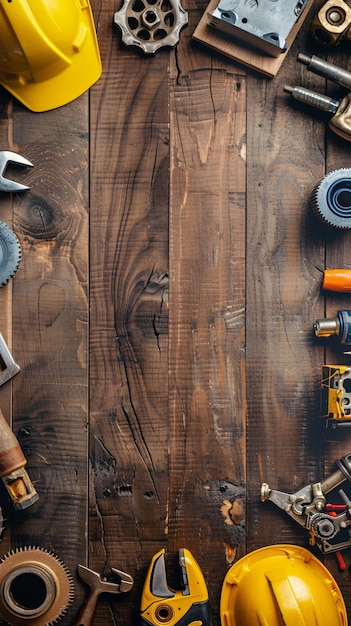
<point>10,254</point>
<point>331,199</point>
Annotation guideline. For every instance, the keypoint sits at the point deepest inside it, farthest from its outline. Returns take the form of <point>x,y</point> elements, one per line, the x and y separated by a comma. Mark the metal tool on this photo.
<point>2,525</point>
<point>162,605</point>
<point>338,280</point>
<point>264,25</point>
<point>331,199</point>
<point>10,254</point>
<point>12,469</point>
<point>340,123</point>
<point>328,524</point>
<point>336,395</point>
<point>8,367</point>
<point>6,157</point>
<point>35,587</point>
<point>339,327</point>
<point>151,24</point>
<point>332,24</point>
<point>99,585</point>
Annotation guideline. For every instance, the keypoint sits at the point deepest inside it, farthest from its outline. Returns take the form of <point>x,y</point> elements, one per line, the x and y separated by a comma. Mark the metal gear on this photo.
<point>151,24</point>
<point>331,199</point>
<point>36,588</point>
<point>323,526</point>
<point>10,254</point>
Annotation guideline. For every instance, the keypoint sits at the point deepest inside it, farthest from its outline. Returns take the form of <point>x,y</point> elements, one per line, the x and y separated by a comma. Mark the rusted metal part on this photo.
<point>35,587</point>
<point>150,25</point>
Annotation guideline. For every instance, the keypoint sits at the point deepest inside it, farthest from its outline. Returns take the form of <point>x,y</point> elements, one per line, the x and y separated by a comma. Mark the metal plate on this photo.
<point>263,24</point>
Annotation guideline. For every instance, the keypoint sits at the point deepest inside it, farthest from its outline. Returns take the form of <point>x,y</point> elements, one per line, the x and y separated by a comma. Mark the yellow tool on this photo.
<point>336,396</point>
<point>161,605</point>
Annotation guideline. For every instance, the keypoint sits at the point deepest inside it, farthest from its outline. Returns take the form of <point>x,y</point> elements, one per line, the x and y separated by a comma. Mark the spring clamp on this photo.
<point>162,605</point>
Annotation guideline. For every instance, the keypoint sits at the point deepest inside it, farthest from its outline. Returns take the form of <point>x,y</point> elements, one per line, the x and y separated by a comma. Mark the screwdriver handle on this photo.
<point>337,280</point>
<point>87,612</point>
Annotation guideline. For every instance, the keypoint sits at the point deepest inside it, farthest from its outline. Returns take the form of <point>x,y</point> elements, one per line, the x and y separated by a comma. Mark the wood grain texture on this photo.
<point>129,315</point>
<point>49,327</point>
<point>207,306</point>
<point>162,314</point>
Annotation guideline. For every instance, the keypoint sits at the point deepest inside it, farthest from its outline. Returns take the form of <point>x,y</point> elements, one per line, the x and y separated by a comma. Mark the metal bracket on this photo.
<point>263,24</point>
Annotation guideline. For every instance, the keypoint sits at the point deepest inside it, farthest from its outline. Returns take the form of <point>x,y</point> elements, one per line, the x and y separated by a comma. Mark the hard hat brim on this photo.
<point>261,565</point>
<point>60,89</point>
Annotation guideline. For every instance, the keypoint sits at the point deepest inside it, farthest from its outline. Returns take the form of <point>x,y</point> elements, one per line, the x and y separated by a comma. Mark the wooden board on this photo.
<point>237,51</point>
<point>162,315</point>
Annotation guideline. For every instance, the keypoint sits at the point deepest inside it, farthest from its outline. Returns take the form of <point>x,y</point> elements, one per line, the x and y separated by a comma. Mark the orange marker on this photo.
<point>337,280</point>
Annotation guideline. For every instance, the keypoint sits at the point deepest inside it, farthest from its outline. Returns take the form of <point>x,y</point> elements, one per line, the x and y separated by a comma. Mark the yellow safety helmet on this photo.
<point>281,585</point>
<point>49,54</point>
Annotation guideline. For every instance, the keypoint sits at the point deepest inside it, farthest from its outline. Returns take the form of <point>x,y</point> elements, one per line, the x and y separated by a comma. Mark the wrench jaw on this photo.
<point>162,605</point>
<point>6,157</point>
<point>126,582</point>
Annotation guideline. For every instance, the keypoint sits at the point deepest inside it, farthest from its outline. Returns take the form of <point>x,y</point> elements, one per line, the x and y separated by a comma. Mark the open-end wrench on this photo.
<point>99,585</point>
<point>6,157</point>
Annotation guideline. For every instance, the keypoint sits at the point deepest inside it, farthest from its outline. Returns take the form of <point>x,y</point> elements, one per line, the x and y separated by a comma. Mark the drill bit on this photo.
<point>315,99</point>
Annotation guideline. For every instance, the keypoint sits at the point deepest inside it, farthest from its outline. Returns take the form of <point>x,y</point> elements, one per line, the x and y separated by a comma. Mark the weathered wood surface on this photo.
<point>162,315</point>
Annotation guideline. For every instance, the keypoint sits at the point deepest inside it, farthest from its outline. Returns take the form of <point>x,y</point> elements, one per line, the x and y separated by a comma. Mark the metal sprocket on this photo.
<point>35,587</point>
<point>331,199</point>
<point>10,254</point>
<point>151,24</point>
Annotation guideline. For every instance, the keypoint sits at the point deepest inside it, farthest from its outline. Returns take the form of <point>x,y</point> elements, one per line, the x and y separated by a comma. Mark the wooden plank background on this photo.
<point>162,314</point>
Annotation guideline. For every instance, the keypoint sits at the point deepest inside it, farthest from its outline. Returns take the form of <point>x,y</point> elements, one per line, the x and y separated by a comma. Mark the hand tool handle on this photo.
<point>337,280</point>
<point>87,612</point>
<point>198,614</point>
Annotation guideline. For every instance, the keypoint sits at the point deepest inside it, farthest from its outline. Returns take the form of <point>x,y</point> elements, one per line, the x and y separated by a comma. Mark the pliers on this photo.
<point>162,605</point>
<point>6,157</point>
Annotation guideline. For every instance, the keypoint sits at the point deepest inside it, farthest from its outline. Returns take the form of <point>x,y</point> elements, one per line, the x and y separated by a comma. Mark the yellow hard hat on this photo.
<point>49,53</point>
<point>281,585</point>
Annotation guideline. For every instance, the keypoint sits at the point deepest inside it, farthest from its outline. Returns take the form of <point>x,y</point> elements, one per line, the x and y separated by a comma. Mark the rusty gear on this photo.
<point>151,24</point>
<point>35,587</point>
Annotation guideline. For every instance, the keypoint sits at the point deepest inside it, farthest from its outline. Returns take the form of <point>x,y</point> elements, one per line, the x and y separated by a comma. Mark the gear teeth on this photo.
<point>37,557</point>
<point>330,200</point>
<point>316,210</point>
<point>10,254</point>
